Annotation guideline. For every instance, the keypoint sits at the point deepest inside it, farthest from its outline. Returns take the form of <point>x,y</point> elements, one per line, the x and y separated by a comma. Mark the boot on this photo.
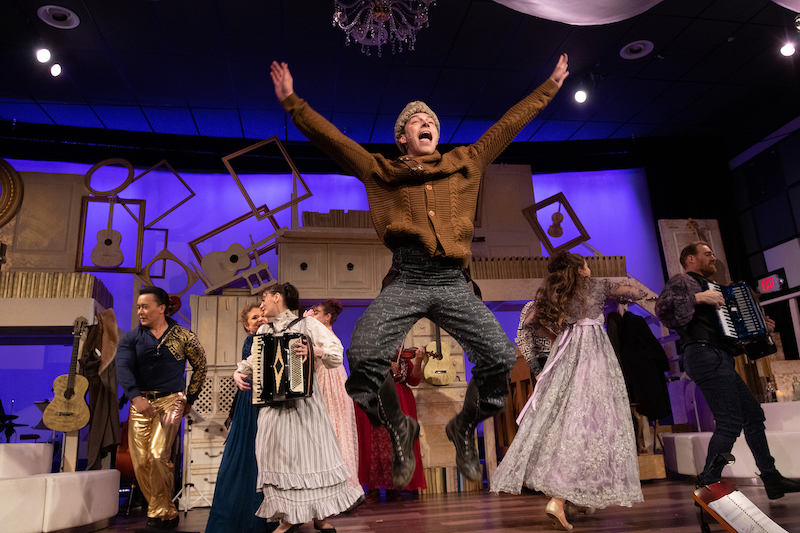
<point>461,432</point>
<point>403,431</point>
<point>776,485</point>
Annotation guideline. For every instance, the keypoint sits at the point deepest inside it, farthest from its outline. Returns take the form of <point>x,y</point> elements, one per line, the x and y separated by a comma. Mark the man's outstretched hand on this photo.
<point>282,78</point>
<point>559,74</point>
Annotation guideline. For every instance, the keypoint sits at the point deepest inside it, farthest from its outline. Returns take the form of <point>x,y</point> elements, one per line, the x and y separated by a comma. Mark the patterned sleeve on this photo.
<point>196,356</point>
<point>622,292</point>
<point>524,338</point>
<point>675,304</point>
<point>534,348</point>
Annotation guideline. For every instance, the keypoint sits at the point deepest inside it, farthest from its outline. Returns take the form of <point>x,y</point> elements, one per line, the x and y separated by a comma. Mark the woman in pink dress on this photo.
<point>375,448</point>
<point>330,381</point>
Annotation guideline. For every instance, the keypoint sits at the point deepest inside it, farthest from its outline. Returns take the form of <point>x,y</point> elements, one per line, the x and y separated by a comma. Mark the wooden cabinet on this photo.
<point>340,263</point>
<point>216,321</point>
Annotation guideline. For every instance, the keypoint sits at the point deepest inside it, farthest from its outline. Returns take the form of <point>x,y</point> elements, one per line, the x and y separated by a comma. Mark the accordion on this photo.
<point>279,374</point>
<point>741,318</point>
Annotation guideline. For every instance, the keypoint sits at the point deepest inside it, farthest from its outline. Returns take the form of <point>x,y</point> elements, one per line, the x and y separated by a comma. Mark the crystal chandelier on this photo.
<point>378,22</point>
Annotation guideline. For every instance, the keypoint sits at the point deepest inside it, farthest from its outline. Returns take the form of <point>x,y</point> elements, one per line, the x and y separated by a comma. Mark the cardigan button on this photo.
<point>431,213</point>
<point>429,187</point>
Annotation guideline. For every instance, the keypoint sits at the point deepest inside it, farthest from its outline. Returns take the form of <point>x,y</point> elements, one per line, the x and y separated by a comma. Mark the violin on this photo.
<point>404,353</point>
<point>555,229</point>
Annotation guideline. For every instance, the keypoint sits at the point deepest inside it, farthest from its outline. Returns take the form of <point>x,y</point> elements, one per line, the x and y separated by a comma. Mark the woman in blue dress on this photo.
<point>235,496</point>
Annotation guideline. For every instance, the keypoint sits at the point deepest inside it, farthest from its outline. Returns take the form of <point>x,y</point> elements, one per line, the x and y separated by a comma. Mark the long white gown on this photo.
<point>578,442</point>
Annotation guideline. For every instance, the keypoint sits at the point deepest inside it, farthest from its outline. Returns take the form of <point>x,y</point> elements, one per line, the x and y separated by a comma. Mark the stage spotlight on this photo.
<point>43,55</point>
<point>55,70</point>
<point>580,96</point>
<point>787,49</point>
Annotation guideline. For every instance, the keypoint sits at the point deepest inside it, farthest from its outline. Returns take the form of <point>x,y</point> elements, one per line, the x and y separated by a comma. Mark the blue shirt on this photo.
<point>145,363</point>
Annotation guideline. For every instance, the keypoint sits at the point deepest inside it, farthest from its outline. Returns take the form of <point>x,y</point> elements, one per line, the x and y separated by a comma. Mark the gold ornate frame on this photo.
<point>11,192</point>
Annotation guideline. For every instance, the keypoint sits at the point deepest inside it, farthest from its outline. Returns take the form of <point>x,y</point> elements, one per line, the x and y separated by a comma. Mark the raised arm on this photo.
<point>622,292</point>
<point>282,78</point>
<point>499,136</point>
<point>350,155</point>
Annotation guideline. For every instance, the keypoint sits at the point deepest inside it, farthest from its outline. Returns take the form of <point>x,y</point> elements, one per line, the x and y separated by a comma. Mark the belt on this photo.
<point>710,344</point>
<point>154,395</point>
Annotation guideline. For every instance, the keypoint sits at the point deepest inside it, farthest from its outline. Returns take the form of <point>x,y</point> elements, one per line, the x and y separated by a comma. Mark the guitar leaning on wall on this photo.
<point>69,411</point>
<point>439,369</point>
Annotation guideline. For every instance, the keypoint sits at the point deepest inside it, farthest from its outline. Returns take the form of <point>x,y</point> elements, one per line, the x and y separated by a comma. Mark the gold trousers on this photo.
<point>150,439</point>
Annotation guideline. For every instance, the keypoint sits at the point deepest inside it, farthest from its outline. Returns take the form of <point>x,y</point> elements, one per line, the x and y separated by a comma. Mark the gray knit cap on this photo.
<point>412,109</point>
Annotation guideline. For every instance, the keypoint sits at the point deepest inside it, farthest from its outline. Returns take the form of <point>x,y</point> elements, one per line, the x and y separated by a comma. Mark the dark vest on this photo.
<point>704,325</point>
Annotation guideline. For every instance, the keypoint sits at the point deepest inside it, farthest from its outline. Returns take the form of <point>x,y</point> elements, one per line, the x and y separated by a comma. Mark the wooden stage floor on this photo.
<point>668,507</point>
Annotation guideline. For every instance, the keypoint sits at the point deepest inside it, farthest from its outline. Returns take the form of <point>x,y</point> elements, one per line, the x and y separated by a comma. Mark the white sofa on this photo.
<point>37,501</point>
<point>685,453</point>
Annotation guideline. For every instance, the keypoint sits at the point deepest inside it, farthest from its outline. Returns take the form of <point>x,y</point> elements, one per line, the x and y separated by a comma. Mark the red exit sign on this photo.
<point>770,284</point>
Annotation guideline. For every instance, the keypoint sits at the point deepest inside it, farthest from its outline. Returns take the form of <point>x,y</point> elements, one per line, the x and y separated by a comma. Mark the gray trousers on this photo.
<point>426,287</point>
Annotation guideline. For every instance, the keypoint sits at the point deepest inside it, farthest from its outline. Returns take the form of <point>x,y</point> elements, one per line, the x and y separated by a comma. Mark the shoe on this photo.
<point>570,509</point>
<point>776,485</point>
<point>393,495</point>
<point>556,514</point>
<point>153,523</point>
<point>373,496</point>
<point>461,432</point>
<point>403,431</point>
<point>326,529</point>
<point>171,523</point>
<point>360,501</point>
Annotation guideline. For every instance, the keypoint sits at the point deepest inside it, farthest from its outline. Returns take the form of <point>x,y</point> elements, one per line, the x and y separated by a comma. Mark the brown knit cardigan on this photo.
<point>428,200</point>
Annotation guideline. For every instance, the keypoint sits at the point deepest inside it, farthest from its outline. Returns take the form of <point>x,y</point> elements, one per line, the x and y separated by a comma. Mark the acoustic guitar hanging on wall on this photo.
<point>69,411</point>
<point>107,253</point>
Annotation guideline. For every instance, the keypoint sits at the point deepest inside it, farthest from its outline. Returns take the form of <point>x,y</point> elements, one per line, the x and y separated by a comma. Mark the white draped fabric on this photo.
<point>794,5</point>
<point>595,12</point>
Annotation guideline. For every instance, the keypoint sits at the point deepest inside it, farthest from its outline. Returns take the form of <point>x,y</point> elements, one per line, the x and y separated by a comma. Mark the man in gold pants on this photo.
<point>150,367</point>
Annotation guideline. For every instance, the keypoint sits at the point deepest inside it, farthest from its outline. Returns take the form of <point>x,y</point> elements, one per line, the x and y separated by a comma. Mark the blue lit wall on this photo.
<point>614,208</point>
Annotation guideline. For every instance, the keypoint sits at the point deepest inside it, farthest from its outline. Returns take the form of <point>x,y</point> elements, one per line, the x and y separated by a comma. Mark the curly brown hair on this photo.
<point>560,285</point>
<point>331,307</point>
<point>246,311</point>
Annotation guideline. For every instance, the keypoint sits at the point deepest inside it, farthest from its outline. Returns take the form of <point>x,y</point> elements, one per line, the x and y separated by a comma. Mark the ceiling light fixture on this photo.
<point>43,55</point>
<point>636,49</point>
<point>787,49</point>
<point>580,95</point>
<point>58,17</point>
<point>55,70</point>
<point>379,22</point>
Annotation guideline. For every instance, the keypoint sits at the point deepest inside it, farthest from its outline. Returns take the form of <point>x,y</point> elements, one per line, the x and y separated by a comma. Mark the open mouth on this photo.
<point>426,135</point>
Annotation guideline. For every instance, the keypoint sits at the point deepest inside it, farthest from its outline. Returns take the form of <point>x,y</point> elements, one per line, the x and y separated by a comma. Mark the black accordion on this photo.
<point>279,374</point>
<point>742,319</point>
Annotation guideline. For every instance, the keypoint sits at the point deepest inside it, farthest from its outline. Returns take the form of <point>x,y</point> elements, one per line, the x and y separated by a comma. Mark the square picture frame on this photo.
<point>544,237</point>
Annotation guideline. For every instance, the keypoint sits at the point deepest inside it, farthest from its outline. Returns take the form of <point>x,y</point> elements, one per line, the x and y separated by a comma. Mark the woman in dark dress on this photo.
<point>235,496</point>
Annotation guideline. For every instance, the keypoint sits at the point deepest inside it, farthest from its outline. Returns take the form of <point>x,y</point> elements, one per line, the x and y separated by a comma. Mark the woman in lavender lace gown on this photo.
<point>575,440</point>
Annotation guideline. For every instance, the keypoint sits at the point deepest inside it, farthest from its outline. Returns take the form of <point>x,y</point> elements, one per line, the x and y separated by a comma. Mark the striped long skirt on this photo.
<point>300,467</point>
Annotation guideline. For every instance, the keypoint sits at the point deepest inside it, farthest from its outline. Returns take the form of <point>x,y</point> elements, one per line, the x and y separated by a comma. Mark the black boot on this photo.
<point>776,485</point>
<point>461,432</point>
<point>403,431</point>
